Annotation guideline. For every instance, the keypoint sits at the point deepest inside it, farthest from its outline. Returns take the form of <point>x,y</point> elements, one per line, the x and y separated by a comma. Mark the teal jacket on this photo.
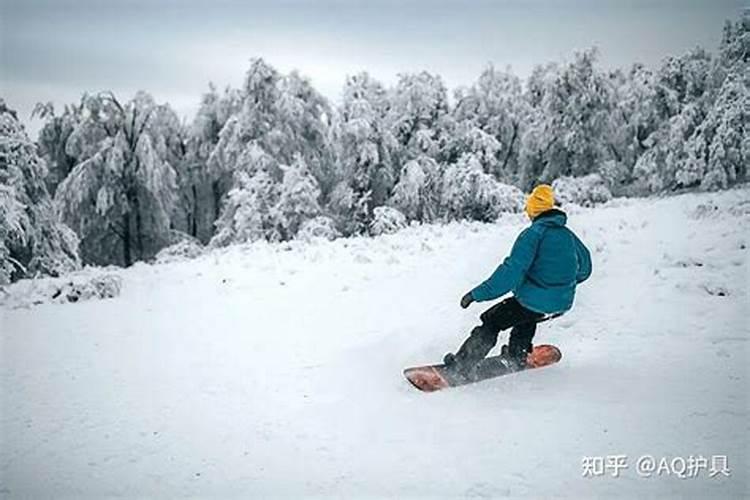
<point>545,265</point>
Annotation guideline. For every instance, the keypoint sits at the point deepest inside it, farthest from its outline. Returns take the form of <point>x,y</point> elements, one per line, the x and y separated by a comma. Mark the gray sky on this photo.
<point>53,50</point>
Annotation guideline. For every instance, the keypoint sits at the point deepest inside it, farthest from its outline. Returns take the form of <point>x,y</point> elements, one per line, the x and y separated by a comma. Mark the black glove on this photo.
<point>466,300</point>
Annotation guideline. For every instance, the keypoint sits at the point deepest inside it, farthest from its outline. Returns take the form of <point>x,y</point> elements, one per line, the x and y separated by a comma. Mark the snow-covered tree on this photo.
<point>350,210</point>
<point>365,166</point>
<point>199,202</point>
<point>247,129</point>
<point>418,108</point>
<point>720,146</point>
<point>733,55</point>
<point>32,240</point>
<point>417,193</point>
<point>119,199</point>
<point>681,99</point>
<point>285,119</point>
<point>682,80</point>
<point>53,138</point>
<point>586,191</point>
<point>250,208</point>
<point>249,213</point>
<point>386,220</point>
<point>298,198</point>
<point>702,101</point>
<point>284,115</point>
<point>493,106</point>
<point>663,166</point>
<point>268,158</point>
<point>719,150</point>
<point>735,41</point>
<point>469,193</point>
<point>633,120</point>
<point>678,170</point>
<point>62,142</point>
<point>566,132</point>
<point>466,137</point>
<point>305,117</point>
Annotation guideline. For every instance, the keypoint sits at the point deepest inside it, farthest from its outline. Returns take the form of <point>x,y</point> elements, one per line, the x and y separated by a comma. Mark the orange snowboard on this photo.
<point>431,378</point>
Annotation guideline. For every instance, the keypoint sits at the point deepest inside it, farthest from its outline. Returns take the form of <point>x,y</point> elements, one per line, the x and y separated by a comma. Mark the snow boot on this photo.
<point>515,358</point>
<point>449,359</point>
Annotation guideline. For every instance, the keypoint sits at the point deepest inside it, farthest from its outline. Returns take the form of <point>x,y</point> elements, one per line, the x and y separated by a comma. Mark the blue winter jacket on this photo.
<point>545,265</point>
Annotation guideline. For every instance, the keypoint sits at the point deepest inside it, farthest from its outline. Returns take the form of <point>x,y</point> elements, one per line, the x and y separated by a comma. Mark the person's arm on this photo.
<point>513,269</point>
<point>584,260</point>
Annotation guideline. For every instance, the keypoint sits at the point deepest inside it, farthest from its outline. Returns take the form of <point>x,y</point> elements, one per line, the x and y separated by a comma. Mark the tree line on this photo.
<point>112,182</point>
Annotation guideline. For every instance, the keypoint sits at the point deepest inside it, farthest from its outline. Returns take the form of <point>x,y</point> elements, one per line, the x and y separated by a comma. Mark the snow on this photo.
<point>90,283</point>
<point>275,369</point>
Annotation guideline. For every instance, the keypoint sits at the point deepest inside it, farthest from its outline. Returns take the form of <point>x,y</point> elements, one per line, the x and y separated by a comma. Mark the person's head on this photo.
<point>541,199</point>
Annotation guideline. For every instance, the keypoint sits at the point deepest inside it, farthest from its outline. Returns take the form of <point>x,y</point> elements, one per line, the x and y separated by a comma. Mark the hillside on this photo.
<point>275,370</point>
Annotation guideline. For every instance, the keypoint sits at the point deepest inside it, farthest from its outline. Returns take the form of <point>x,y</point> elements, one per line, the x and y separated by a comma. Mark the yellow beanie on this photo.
<point>541,199</point>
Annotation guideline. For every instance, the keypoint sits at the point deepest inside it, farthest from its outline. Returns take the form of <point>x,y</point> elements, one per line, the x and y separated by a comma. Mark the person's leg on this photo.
<point>481,341</point>
<point>519,343</point>
<point>483,338</point>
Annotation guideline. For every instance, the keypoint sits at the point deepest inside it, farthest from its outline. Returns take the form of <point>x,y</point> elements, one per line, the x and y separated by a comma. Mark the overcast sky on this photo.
<point>53,50</point>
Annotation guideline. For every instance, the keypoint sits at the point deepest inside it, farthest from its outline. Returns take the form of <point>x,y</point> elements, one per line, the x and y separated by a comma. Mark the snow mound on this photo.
<point>387,220</point>
<point>88,284</point>
<point>185,249</point>
<point>705,210</point>
<point>735,203</point>
<point>318,227</point>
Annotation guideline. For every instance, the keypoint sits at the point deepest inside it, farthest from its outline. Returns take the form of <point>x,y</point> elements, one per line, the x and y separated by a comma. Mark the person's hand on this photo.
<point>466,300</point>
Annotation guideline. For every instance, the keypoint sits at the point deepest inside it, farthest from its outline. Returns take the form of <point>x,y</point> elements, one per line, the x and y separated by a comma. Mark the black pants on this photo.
<point>506,314</point>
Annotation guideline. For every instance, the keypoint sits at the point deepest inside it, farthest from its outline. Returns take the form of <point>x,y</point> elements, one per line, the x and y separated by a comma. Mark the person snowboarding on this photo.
<point>546,263</point>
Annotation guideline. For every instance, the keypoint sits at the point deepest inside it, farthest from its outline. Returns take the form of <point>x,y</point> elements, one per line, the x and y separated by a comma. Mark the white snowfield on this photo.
<point>276,370</point>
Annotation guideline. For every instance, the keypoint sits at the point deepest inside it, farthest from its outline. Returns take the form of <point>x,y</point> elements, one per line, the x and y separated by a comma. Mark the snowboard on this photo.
<point>431,378</point>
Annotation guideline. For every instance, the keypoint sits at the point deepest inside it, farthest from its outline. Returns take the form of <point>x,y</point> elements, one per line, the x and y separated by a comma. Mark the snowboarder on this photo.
<point>545,265</point>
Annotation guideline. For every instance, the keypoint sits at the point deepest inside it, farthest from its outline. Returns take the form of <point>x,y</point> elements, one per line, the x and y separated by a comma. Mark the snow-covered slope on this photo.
<point>275,370</point>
